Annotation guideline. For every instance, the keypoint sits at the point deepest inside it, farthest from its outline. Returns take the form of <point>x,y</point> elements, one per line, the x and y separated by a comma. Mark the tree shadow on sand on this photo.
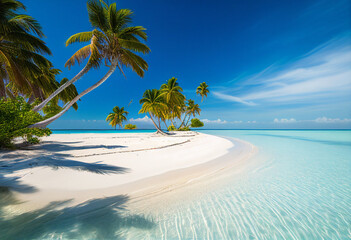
<point>105,218</point>
<point>52,146</point>
<point>13,161</point>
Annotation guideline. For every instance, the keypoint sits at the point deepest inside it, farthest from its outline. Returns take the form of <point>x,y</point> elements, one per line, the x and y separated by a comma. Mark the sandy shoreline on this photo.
<point>85,166</point>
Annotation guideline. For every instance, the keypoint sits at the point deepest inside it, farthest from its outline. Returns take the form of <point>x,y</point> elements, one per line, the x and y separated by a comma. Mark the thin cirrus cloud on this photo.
<point>317,120</point>
<point>322,74</point>
<point>220,121</point>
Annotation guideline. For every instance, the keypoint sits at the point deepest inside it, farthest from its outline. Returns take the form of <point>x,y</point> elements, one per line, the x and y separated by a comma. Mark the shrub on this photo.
<point>184,129</point>
<point>195,123</point>
<point>171,128</point>
<point>15,117</point>
<point>130,126</point>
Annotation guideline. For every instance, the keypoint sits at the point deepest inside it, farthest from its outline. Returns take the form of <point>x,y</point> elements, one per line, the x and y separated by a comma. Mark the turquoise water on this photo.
<point>298,186</point>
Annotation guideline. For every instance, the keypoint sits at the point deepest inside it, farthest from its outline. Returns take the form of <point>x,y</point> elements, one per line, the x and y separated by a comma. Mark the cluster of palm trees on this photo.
<point>24,69</point>
<point>168,104</point>
<point>113,42</point>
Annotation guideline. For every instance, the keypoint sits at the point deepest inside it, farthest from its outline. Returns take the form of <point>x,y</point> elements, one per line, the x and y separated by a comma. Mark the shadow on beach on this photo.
<point>13,161</point>
<point>105,218</point>
<point>52,146</point>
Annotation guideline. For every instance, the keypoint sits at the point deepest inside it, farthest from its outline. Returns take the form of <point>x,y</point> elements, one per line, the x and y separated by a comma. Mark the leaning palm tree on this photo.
<point>111,41</point>
<point>114,44</point>
<point>202,90</point>
<point>172,93</point>
<point>117,117</point>
<point>20,48</point>
<point>190,109</point>
<point>153,103</point>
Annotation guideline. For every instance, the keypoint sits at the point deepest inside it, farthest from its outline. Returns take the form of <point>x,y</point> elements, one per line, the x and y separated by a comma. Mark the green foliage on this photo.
<point>112,39</point>
<point>117,117</point>
<point>171,128</point>
<point>15,117</point>
<point>195,123</point>
<point>184,129</point>
<point>130,126</point>
<point>51,109</point>
<point>202,90</point>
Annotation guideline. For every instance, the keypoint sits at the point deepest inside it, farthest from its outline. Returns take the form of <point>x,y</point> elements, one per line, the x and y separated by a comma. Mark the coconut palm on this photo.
<point>202,90</point>
<point>117,117</point>
<point>172,93</point>
<point>191,109</point>
<point>153,103</point>
<point>20,49</point>
<point>112,42</point>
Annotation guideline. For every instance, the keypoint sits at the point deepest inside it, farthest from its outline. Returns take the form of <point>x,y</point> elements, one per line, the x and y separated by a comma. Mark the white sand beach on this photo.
<point>85,166</point>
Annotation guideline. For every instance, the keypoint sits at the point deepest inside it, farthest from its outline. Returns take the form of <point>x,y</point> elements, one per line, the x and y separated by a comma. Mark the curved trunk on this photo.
<point>183,120</point>
<point>61,88</point>
<point>46,122</point>
<point>31,99</point>
<point>2,89</point>
<point>158,129</point>
<point>188,120</point>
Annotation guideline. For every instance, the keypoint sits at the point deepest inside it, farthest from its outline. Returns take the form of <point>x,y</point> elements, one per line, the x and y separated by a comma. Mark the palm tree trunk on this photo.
<point>183,120</point>
<point>165,124</point>
<point>10,94</point>
<point>31,99</point>
<point>2,89</point>
<point>61,88</point>
<point>46,122</point>
<point>188,120</point>
<point>158,129</point>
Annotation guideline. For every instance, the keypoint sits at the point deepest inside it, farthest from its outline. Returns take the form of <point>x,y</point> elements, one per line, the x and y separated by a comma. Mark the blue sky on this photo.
<point>269,64</point>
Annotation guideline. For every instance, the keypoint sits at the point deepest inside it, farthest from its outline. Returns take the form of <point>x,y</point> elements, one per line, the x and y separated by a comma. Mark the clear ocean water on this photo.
<point>298,186</point>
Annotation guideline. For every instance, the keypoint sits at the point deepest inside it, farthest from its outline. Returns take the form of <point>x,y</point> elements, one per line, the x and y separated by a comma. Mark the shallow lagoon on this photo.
<point>298,186</point>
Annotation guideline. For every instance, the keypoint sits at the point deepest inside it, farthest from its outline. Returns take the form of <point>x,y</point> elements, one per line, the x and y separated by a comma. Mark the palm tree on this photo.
<point>20,49</point>
<point>153,103</point>
<point>202,90</point>
<point>117,117</point>
<point>191,109</point>
<point>112,42</point>
<point>172,93</point>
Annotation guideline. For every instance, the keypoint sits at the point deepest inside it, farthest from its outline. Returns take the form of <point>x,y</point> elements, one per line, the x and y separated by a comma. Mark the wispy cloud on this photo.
<point>332,120</point>
<point>218,121</point>
<point>321,74</point>
<point>284,120</point>
<point>317,120</point>
<point>232,98</point>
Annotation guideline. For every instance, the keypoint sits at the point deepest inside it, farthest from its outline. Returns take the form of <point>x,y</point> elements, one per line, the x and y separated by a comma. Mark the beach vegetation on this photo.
<point>196,123</point>
<point>153,103</point>
<point>202,90</point>
<point>117,117</point>
<point>15,117</point>
<point>169,104</point>
<point>130,126</point>
<point>24,70</point>
<point>171,128</point>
